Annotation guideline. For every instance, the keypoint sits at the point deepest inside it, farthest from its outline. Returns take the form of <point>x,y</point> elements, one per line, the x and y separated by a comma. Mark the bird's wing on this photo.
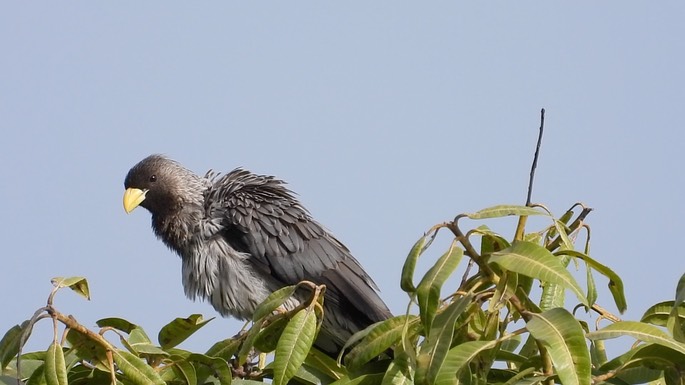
<point>264,219</point>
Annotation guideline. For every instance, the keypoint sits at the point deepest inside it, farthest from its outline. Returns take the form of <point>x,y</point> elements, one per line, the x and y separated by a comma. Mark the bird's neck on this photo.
<point>176,228</point>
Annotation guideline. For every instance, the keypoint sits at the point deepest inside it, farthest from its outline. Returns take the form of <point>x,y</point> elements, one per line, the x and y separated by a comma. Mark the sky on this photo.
<point>386,118</point>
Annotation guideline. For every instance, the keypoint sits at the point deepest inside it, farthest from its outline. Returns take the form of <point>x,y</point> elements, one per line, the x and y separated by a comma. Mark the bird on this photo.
<point>241,236</point>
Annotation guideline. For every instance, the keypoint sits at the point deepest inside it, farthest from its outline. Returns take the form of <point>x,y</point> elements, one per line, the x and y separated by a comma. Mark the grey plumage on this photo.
<point>241,236</point>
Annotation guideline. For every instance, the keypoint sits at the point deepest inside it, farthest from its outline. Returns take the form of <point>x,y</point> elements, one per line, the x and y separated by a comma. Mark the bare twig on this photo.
<point>535,158</point>
<point>520,227</point>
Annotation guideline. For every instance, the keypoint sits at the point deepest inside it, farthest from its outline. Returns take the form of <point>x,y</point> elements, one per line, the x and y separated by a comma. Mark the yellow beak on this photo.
<point>132,198</point>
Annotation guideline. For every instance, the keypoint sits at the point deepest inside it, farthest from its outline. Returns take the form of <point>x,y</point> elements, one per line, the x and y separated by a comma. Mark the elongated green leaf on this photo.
<point>77,284</point>
<point>9,344</point>
<point>598,353</point>
<point>553,295</point>
<point>635,371</point>
<point>675,325</point>
<point>638,330</point>
<point>397,375</point>
<point>224,349</point>
<point>139,343</point>
<point>248,341</point>
<point>591,287</point>
<point>505,289</point>
<point>273,301</point>
<point>219,367</point>
<point>380,338</point>
<point>439,340</point>
<point>87,349</point>
<point>55,367</point>
<point>564,339</point>
<point>186,371</point>
<point>137,371</point>
<point>305,376</point>
<point>657,356</point>
<point>615,282</point>
<point>37,377</point>
<point>326,365</point>
<point>267,339</point>
<point>407,280</point>
<point>537,262</point>
<point>428,291</point>
<point>658,313</point>
<point>561,230</point>
<point>505,210</point>
<point>294,345</point>
<point>179,329</point>
<point>138,336</point>
<point>117,323</point>
<point>458,358</point>
<point>490,240</point>
<point>364,379</point>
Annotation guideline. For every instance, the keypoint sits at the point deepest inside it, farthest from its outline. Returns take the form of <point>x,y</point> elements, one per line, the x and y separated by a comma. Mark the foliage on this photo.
<point>505,323</point>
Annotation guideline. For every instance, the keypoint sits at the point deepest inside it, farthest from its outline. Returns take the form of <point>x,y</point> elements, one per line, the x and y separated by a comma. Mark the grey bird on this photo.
<point>242,236</point>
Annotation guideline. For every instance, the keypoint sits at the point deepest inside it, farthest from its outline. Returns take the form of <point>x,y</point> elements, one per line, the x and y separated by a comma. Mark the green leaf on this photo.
<point>326,365</point>
<point>117,323</point>
<point>598,353</point>
<point>537,262</point>
<point>185,370</point>
<point>37,377</point>
<point>267,340</point>
<point>224,349</point>
<point>591,287</point>
<point>675,325</point>
<point>657,356</point>
<point>439,340</point>
<point>9,344</point>
<point>407,280</point>
<point>397,374</point>
<point>564,339</point>
<point>77,284</point>
<point>658,313</point>
<point>87,349</point>
<point>140,344</point>
<point>179,329</point>
<point>553,296</point>
<point>615,282</point>
<point>137,371</point>
<point>294,345</point>
<point>458,358</point>
<point>82,375</point>
<point>55,367</point>
<point>305,376</point>
<point>364,379</point>
<point>561,230</point>
<point>380,338</point>
<point>218,366</point>
<point>273,301</point>
<point>505,289</point>
<point>638,330</point>
<point>490,240</point>
<point>635,370</point>
<point>505,210</point>
<point>428,291</point>
<point>248,341</point>
<point>28,365</point>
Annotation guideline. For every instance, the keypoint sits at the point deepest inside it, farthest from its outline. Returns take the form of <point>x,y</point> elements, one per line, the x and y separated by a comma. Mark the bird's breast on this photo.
<point>214,271</point>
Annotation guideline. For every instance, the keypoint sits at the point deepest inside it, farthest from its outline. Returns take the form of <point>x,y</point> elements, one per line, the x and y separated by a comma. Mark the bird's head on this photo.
<point>159,184</point>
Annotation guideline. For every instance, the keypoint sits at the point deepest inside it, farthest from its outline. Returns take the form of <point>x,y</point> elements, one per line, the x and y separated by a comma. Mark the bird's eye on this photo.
<point>153,178</point>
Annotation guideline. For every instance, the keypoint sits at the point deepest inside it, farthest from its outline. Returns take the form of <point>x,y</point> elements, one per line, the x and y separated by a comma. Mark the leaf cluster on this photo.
<point>506,322</point>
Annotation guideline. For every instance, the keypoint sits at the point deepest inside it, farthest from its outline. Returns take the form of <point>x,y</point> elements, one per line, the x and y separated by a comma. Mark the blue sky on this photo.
<point>386,118</point>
